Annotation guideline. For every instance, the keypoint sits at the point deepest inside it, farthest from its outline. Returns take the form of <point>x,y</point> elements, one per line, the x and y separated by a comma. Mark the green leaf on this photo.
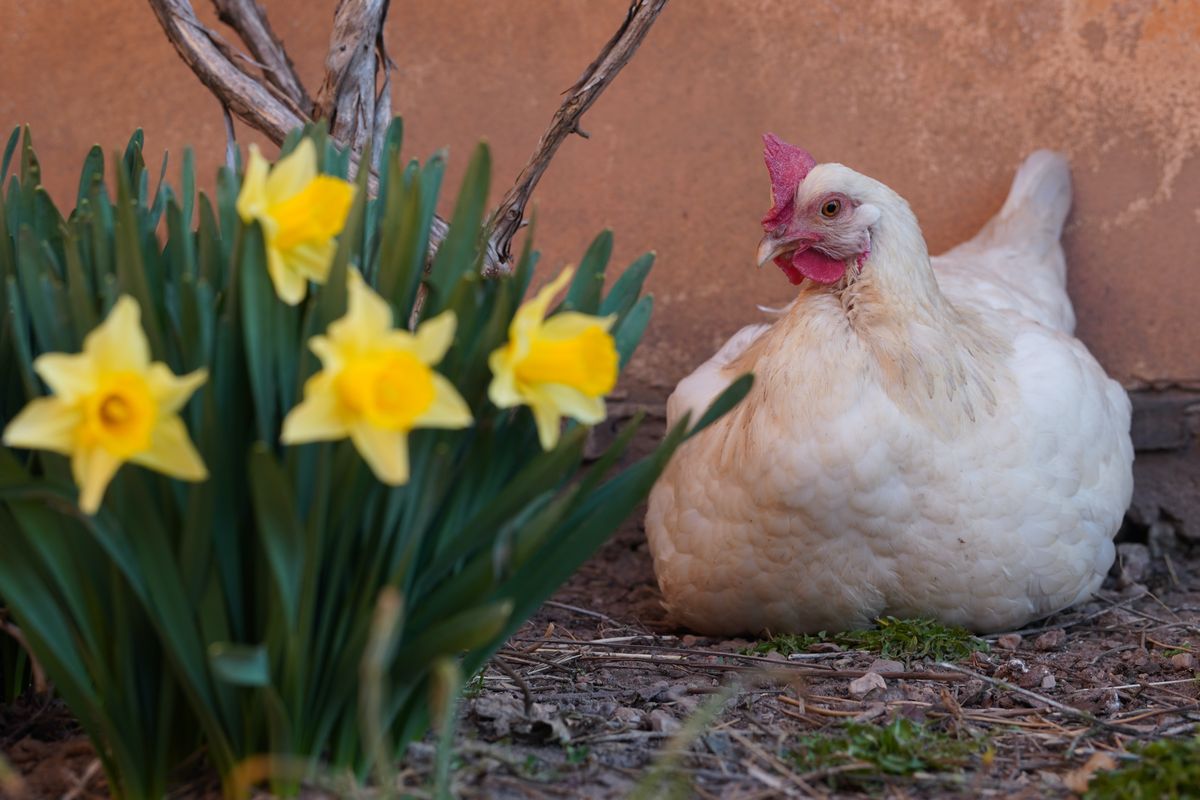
<point>629,332</point>
<point>9,147</point>
<point>31,171</point>
<point>239,664</point>
<point>258,305</point>
<point>725,401</point>
<point>628,287</point>
<point>91,175</point>
<point>588,283</point>
<point>130,264</point>
<point>460,252</point>
<point>278,527</point>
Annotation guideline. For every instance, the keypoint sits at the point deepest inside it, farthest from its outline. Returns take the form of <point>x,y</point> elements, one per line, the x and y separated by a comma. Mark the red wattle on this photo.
<point>810,263</point>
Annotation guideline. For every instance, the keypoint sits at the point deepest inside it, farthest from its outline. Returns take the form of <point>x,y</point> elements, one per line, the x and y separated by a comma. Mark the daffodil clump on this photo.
<point>301,494</point>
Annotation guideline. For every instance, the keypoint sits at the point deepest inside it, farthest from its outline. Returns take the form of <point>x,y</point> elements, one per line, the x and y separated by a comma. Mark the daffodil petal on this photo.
<point>93,469</point>
<point>172,452</point>
<point>292,172</point>
<point>368,317</point>
<point>449,410</point>
<point>549,421</point>
<point>569,324</point>
<point>326,351</point>
<point>434,337</point>
<point>574,403</point>
<point>172,391</point>
<point>68,376</point>
<point>502,391</point>
<point>530,315</point>
<point>46,423</point>
<point>252,199</point>
<point>119,344</point>
<point>386,452</point>
<point>546,294</point>
<point>317,418</point>
<point>290,286</point>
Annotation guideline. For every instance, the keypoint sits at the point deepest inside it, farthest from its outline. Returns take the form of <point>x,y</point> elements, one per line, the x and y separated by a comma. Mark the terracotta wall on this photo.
<point>938,98</point>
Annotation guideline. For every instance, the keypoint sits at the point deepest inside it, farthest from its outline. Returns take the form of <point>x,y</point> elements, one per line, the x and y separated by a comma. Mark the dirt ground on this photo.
<point>598,696</point>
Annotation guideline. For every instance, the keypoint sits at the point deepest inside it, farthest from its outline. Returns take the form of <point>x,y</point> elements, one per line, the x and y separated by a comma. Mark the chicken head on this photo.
<point>815,228</point>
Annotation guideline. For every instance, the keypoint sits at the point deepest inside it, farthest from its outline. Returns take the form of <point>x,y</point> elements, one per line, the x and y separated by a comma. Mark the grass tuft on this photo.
<point>903,639</point>
<point>1166,768</point>
<point>861,752</point>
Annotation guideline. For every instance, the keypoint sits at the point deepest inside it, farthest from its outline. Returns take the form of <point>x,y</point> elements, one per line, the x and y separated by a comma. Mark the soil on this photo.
<point>598,696</point>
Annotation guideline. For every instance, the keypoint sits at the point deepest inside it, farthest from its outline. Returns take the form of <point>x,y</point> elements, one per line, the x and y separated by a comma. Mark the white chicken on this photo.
<point>924,437</point>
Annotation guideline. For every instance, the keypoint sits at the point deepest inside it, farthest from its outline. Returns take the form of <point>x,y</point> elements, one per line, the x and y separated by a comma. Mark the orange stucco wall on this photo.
<point>938,98</point>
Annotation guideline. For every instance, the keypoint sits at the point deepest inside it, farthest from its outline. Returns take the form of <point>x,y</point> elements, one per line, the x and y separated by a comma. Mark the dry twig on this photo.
<point>355,95</point>
<point>510,214</point>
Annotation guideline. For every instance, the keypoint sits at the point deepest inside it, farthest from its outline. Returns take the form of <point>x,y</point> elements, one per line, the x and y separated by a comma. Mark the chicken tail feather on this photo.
<point>1039,200</point>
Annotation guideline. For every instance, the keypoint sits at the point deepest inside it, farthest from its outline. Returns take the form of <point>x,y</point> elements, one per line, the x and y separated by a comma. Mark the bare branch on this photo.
<point>249,19</point>
<point>509,215</point>
<point>347,97</point>
<point>241,93</point>
<point>231,146</point>
<point>359,111</point>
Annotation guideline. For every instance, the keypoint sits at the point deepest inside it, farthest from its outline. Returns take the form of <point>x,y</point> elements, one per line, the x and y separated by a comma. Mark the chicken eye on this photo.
<point>831,209</point>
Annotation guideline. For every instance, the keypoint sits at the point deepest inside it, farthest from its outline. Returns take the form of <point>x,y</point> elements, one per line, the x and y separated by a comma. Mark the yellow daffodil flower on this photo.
<point>559,367</point>
<point>376,384</point>
<point>300,212</point>
<point>111,405</point>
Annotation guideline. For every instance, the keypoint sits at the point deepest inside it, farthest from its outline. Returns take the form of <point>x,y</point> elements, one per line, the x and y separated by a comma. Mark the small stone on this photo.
<point>1049,682</point>
<point>1051,640</point>
<point>1183,661</point>
<point>885,665</point>
<point>628,716</point>
<point>1033,677</point>
<point>861,687</point>
<point>662,722</point>
<point>1009,641</point>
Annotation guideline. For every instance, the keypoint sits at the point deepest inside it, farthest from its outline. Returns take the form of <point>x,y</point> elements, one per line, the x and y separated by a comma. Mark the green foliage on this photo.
<point>905,639</point>
<point>1165,768</point>
<point>861,752</point>
<point>15,673</point>
<point>291,604</point>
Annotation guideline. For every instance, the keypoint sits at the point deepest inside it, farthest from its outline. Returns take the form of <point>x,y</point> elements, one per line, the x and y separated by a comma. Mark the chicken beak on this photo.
<point>770,247</point>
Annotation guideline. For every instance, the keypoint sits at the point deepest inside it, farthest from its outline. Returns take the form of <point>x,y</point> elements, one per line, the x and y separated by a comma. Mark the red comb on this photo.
<point>787,165</point>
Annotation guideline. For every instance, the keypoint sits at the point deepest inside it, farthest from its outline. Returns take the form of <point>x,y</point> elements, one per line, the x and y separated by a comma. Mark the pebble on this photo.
<point>663,722</point>
<point>1009,641</point>
<point>861,687</point>
<point>1183,661</point>
<point>885,665</point>
<point>1050,640</point>
<point>629,716</point>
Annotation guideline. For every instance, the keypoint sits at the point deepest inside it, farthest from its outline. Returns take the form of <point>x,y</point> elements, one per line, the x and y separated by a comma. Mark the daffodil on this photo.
<point>300,213</point>
<point>376,384</point>
<point>111,405</point>
<point>559,367</point>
